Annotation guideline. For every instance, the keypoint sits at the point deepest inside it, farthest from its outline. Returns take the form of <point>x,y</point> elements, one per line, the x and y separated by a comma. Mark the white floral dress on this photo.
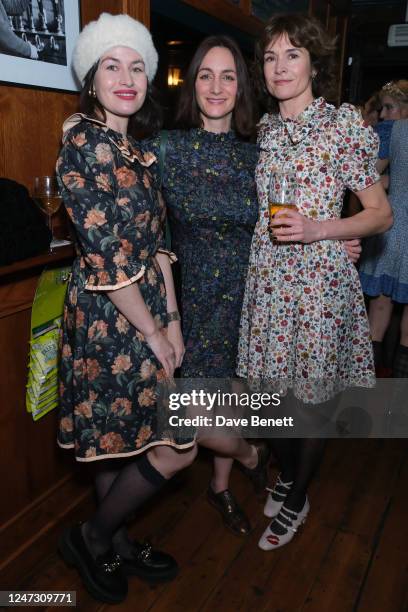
<point>304,323</point>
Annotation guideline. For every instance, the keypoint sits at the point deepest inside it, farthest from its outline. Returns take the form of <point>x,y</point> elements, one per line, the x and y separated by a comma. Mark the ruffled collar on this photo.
<point>121,142</point>
<point>297,129</point>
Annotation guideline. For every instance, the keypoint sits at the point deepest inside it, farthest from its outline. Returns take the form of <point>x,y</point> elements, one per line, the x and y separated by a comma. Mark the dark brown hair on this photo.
<point>302,31</point>
<point>243,116</point>
<point>145,122</point>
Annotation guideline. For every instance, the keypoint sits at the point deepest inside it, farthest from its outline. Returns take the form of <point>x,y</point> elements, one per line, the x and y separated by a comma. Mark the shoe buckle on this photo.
<point>146,551</point>
<point>113,565</point>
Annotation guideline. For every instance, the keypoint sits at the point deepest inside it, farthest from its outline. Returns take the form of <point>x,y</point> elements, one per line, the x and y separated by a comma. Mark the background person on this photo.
<point>10,43</point>
<point>383,268</point>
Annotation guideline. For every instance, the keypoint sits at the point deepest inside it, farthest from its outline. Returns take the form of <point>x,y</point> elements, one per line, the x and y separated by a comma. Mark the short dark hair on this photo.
<point>145,122</point>
<point>302,31</point>
<point>243,116</point>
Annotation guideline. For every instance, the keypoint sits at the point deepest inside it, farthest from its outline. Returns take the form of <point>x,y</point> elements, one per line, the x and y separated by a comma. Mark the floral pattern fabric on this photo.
<point>209,188</point>
<point>304,323</point>
<point>108,373</point>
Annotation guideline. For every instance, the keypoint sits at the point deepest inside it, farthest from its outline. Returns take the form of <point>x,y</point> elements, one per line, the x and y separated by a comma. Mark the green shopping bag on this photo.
<point>46,321</point>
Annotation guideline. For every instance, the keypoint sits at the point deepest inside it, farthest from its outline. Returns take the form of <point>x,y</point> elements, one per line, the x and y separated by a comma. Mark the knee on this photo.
<point>186,458</point>
<point>169,461</point>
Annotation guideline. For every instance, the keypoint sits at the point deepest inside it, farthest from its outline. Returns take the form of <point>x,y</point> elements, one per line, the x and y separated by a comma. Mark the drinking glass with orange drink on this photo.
<point>282,193</point>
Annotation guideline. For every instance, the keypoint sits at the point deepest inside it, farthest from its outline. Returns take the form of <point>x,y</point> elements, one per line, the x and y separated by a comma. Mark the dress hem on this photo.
<point>130,453</point>
<point>373,286</point>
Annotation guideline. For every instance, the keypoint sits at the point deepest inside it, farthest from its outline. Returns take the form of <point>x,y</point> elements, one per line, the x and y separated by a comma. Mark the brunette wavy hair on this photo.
<point>302,31</point>
<point>243,116</point>
<point>145,122</point>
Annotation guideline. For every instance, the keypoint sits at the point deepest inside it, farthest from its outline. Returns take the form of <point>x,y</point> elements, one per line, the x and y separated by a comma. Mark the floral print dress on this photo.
<point>108,373</point>
<point>209,188</point>
<point>304,323</point>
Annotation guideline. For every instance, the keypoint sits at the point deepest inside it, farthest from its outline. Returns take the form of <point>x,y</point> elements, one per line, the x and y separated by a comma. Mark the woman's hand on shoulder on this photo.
<point>296,227</point>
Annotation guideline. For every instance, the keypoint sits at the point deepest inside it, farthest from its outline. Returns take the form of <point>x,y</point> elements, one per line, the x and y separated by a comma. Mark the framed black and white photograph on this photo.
<point>37,38</point>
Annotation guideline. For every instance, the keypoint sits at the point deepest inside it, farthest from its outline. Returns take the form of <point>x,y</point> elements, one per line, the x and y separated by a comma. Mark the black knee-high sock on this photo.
<point>134,484</point>
<point>310,454</point>
<point>400,365</point>
<point>105,473</point>
<point>285,451</point>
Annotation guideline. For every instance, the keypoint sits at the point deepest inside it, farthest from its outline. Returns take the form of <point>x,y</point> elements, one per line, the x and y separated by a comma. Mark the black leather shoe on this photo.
<point>259,474</point>
<point>103,577</point>
<point>233,516</point>
<point>150,565</point>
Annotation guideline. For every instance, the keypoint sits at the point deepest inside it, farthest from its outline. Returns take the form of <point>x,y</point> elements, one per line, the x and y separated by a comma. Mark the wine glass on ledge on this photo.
<point>47,196</point>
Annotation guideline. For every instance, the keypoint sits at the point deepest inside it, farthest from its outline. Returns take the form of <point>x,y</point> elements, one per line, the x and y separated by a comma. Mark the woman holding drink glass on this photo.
<point>304,324</point>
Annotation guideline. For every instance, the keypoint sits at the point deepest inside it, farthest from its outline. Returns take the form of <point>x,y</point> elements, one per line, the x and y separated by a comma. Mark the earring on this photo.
<point>314,75</point>
<point>92,92</point>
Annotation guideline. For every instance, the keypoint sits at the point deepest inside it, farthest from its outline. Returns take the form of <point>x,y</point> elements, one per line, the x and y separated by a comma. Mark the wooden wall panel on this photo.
<point>140,9</point>
<point>225,11</point>
<point>30,130</point>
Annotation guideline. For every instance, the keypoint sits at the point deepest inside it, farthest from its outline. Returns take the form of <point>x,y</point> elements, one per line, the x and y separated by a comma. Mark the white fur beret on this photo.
<point>111,31</point>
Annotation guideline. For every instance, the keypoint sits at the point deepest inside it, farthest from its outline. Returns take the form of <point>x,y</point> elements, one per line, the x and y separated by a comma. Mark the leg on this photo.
<point>404,327</point>
<point>232,447</point>
<point>306,458</point>
<point>220,496</point>
<point>221,474</point>
<point>106,472</point>
<point>138,480</point>
<point>379,316</point>
<point>285,451</point>
<point>310,454</point>
<point>120,492</point>
<point>400,365</point>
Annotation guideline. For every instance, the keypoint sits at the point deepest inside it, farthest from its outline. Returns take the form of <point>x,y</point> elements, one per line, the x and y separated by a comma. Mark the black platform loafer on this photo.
<point>103,577</point>
<point>232,514</point>
<point>149,564</point>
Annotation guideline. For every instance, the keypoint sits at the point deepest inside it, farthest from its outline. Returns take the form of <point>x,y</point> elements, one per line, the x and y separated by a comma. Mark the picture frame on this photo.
<point>51,27</point>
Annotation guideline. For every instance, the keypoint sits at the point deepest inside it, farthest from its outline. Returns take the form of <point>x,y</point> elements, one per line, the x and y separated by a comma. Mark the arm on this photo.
<point>130,303</point>
<point>376,217</point>
<point>11,44</point>
<point>174,327</point>
<point>16,7</point>
<point>381,165</point>
<point>95,192</point>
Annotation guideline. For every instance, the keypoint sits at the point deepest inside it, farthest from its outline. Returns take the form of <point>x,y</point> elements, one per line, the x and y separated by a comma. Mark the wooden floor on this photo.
<point>351,555</point>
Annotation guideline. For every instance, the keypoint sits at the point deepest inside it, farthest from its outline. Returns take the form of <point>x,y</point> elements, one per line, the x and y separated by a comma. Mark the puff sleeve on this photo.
<point>357,146</point>
<point>99,198</point>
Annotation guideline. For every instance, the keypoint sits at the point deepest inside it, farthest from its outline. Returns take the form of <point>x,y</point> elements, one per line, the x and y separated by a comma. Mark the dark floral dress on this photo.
<point>108,373</point>
<point>209,188</point>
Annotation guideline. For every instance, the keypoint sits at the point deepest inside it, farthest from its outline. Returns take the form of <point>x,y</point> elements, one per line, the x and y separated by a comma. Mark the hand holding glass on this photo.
<point>282,193</point>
